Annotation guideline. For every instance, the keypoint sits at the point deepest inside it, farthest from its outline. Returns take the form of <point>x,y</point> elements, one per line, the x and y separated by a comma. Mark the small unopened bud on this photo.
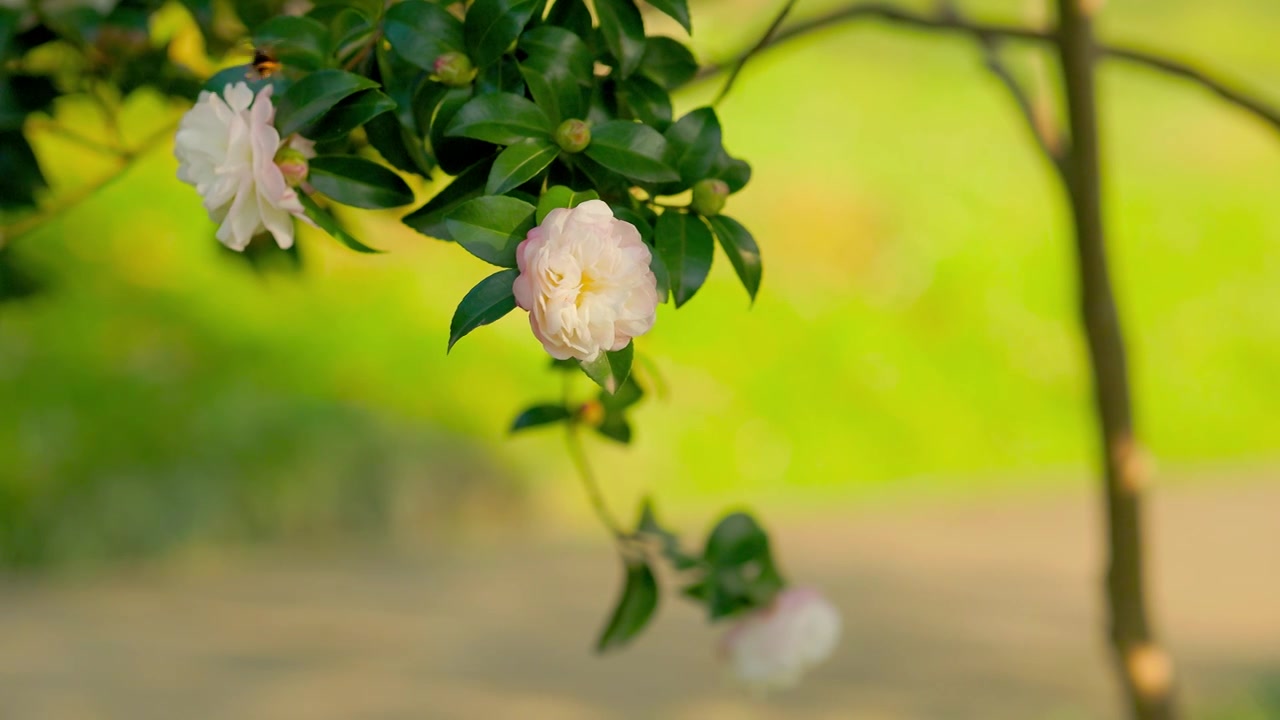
<point>591,413</point>
<point>709,196</point>
<point>293,165</point>
<point>573,136</point>
<point>454,69</point>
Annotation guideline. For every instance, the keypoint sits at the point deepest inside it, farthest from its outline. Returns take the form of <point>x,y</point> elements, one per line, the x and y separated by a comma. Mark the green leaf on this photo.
<point>736,173</point>
<point>610,368</point>
<point>491,227</point>
<point>492,25</point>
<point>539,415</point>
<point>350,114</point>
<point>694,145</point>
<point>400,147</point>
<point>615,427</point>
<point>634,608</point>
<point>355,181</point>
<point>742,250</point>
<point>558,95</point>
<point>300,42</point>
<point>314,95</point>
<point>686,246</point>
<point>455,154</point>
<point>430,218</point>
<point>559,196</point>
<point>668,62</point>
<point>678,10</point>
<point>623,31</point>
<point>550,49</point>
<point>736,540</point>
<point>489,300</point>
<point>422,31</point>
<point>646,101</point>
<point>519,163</point>
<point>503,76</point>
<point>329,224</point>
<point>21,95</point>
<point>628,394</point>
<point>501,118</point>
<point>631,149</point>
<point>218,82</point>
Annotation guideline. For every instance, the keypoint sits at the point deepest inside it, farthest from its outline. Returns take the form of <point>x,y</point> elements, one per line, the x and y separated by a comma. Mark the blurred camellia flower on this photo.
<point>772,647</point>
<point>226,148</point>
<point>585,280</point>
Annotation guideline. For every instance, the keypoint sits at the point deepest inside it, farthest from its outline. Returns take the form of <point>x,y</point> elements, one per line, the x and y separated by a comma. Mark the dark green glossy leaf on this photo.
<point>547,90</point>
<point>550,50</point>
<point>736,173</point>
<point>736,540</point>
<point>218,82</point>
<point>9,21</point>
<point>646,101</point>
<point>686,246</point>
<point>330,224</point>
<point>503,76</point>
<point>634,608</point>
<point>678,10</point>
<point>430,218</point>
<point>493,25</point>
<point>742,250</point>
<point>641,223</point>
<point>631,149</point>
<point>300,42</point>
<point>539,415</point>
<point>355,181</point>
<point>628,394</point>
<point>397,145</point>
<point>668,62</point>
<point>254,12</point>
<point>502,118</point>
<point>610,368</point>
<point>491,227</point>
<point>573,15</point>
<point>519,163</point>
<point>694,145</point>
<point>623,30</point>
<point>422,31</point>
<point>352,31</point>
<point>314,95</point>
<point>350,114</point>
<point>559,196</point>
<point>455,154</point>
<point>489,300</point>
<point>369,8</point>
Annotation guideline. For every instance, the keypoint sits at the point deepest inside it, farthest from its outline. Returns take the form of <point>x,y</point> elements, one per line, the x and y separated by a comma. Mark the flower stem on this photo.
<point>578,453</point>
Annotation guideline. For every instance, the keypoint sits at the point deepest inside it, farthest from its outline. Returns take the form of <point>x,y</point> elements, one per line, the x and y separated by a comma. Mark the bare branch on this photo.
<point>1052,143</point>
<point>765,39</point>
<point>887,12</point>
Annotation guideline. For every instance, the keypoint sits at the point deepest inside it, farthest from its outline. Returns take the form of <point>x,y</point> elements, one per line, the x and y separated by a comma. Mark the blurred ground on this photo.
<point>978,610</point>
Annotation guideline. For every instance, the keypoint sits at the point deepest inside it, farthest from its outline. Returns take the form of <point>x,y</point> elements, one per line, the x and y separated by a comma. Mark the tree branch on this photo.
<point>887,12</point>
<point>764,41</point>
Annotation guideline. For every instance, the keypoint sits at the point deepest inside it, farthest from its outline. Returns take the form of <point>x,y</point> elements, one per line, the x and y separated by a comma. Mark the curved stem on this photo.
<point>888,12</point>
<point>579,455</point>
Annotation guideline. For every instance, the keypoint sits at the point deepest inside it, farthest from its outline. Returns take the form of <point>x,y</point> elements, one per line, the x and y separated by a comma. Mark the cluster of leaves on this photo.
<point>67,49</point>
<point>734,574</point>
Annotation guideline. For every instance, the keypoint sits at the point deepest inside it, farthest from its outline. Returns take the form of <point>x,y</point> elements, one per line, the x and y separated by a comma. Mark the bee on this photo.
<point>264,64</point>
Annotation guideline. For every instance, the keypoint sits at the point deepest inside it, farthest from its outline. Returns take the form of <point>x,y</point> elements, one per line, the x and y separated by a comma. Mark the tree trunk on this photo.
<point>1145,670</point>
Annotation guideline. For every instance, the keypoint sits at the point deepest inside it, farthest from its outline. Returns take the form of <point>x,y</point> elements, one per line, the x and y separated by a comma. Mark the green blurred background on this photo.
<point>915,334</point>
<point>914,341</point>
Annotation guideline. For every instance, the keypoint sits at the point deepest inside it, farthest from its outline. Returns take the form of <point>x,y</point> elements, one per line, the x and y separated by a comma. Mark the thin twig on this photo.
<point>889,13</point>
<point>127,160</point>
<point>1053,146</point>
<point>764,41</point>
<point>578,454</point>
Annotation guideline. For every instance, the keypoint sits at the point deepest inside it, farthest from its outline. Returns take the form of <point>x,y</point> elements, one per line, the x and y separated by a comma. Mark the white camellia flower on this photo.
<point>586,282</point>
<point>771,648</point>
<point>226,147</point>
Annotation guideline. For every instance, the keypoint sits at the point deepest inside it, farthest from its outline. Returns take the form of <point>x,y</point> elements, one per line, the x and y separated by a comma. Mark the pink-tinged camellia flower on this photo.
<point>226,147</point>
<point>585,280</point>
<point>772,647</point>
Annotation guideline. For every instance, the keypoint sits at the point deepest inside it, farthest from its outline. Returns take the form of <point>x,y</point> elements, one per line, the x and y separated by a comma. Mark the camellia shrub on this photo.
<point>568,172</point>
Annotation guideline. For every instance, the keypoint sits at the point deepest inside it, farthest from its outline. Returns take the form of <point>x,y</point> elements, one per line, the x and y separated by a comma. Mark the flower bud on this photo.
<point>573,136</point>
<point>709,196</point>
<point>454,69</point>
<point>293,165</point>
